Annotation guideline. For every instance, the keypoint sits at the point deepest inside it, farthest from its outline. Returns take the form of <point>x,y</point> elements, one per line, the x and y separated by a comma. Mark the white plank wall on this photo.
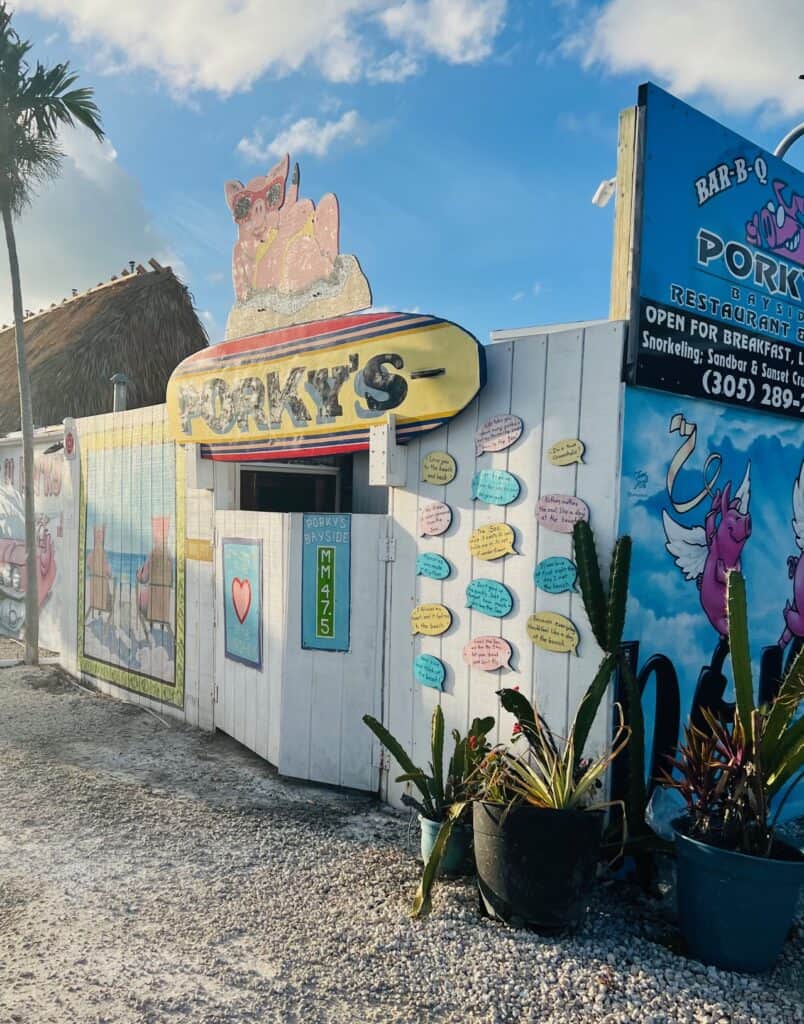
<point>248,699</point>
<point>326,693</point>
<point>562,385</point>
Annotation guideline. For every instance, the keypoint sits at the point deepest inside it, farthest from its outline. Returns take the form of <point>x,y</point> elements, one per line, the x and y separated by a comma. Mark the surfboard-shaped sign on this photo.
<point>317,388</point>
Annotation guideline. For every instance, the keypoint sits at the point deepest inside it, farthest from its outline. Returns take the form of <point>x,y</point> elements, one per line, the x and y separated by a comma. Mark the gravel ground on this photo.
<point>150,873</point>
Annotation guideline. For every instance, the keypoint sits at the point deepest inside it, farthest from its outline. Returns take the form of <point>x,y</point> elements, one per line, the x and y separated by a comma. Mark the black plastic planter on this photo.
<point>535,867</point>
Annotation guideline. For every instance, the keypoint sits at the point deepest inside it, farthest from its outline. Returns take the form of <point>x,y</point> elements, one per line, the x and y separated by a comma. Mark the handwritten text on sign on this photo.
<point>498,433</point>
<point>560,512</point>
<point>434,519</point>
<point>495,487</point>
<point>553,632</point>
<point>430,619</point>
<point>488,653</point>
<point>490,597</point>
<point>326,582</point>
<point>429,671</point>
<point>492,541</point>
<point>438,468</point>
<point>564,453</point>
<point>556,575</point>
<point>433,566</point>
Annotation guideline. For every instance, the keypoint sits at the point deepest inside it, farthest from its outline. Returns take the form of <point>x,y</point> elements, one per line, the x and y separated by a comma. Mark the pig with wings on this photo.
<point>708,553</point>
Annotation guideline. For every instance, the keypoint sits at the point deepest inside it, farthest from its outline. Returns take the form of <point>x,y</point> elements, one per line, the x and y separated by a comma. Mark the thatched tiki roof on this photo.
<point>141,324</point>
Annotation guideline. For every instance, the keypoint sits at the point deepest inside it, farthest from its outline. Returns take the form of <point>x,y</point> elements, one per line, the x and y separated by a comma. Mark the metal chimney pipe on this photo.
<point>121,383</point>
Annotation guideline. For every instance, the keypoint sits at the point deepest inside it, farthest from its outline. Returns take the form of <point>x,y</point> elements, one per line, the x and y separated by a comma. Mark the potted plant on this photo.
<point>439,792</point>
<point>733,870</point>
<point>536,842</point>
<point>538,822</point>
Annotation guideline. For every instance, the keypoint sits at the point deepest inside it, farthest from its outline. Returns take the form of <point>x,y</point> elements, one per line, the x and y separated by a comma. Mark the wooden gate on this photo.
<point>299,708</point>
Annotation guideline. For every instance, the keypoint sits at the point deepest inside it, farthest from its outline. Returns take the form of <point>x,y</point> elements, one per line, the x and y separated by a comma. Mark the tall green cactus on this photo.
<point>606,613</point>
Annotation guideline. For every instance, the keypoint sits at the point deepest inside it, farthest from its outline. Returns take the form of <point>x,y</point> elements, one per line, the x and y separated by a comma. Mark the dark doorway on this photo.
<point>289,490</point>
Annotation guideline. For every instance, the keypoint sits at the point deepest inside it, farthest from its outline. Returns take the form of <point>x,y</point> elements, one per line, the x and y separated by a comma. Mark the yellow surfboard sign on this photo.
<point>317,388</point>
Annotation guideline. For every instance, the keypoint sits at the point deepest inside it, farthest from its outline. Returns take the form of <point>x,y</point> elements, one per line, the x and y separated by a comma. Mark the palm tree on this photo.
<point>35,102</point>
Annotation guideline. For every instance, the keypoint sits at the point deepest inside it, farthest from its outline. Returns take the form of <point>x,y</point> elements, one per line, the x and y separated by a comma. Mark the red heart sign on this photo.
<point>241,598</point>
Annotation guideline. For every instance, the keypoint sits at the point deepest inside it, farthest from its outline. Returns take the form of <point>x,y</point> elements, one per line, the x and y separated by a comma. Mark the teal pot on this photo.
<point>735,910</point>
<point>457,858</point>
<point>536,866</point>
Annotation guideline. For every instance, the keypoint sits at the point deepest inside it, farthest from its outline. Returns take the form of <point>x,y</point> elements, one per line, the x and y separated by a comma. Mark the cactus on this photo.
<point>606,613</point>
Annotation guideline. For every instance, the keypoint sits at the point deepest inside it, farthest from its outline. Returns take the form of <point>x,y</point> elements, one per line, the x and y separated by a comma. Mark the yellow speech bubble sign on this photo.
<point>430,619</point>
<point>438,468</point>
<point>492,541</point>
<point>553,632</point>
<point>564,453</point>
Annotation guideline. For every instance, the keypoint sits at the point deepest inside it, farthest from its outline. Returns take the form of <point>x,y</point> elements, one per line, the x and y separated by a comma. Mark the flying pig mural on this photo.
<point>286,264</point>
<point>706,489</point>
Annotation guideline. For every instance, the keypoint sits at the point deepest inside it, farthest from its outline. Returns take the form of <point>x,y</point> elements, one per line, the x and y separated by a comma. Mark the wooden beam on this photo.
<point>625,241</point>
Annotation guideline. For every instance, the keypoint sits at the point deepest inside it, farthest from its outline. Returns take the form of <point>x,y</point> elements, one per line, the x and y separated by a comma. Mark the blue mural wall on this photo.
<point>706,488</point>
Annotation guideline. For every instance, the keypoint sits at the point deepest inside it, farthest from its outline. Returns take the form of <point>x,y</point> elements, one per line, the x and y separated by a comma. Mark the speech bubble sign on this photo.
<point>490,597</point>
<point>430,619</point>
<point>560,512</point>
<point>556,575</point>
<point>429,671</point>
<point>492,541</point>
<point>495,487</point>
<point>488,653</point>
<point>438,468</point>
<point>498,433</point>
<point>553,632</point>
<point>434,567</point>
<point>564,453</point>
<point>434,519</point>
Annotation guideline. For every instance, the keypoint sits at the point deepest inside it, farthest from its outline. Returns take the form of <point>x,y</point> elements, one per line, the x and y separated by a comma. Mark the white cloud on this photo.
<point>744,53</point>
<point>81,228</point>
<point>396,67</point>
<point>307,135</point>
<point>225,46</point>
<point>517,296</point>
<point>458,31</point>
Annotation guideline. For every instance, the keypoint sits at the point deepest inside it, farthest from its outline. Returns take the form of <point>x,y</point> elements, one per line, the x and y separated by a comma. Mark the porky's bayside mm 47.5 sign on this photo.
<point>717,280</point>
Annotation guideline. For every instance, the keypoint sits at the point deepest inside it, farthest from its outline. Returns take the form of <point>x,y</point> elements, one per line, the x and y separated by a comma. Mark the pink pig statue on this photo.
<point>284,243</point>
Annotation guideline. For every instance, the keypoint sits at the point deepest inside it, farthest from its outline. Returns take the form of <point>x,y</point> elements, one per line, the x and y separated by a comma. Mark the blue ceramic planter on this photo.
<point>735,910</point>
<point>457,856</point>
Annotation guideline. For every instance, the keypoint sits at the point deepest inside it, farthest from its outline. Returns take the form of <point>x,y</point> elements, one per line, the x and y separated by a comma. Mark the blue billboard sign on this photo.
<point>326,582</point>
<point>719,266</point>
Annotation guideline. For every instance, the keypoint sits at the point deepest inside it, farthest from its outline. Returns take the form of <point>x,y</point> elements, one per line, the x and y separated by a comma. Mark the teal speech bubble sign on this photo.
<point>556,575</point>
<point>495,487</point>
<point>434,567</point>
<point>429,671</point>
<point>490,597</point>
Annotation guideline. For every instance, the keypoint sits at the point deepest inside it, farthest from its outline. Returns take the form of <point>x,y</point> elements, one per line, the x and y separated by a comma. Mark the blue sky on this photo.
<point>465,182</point>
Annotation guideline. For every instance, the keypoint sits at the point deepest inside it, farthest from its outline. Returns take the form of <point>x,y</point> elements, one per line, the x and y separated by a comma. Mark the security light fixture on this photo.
<point>605,190</point>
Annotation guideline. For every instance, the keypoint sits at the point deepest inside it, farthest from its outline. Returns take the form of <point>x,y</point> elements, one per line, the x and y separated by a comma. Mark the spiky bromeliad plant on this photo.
<point>438,792</point>
<point>729,772</point>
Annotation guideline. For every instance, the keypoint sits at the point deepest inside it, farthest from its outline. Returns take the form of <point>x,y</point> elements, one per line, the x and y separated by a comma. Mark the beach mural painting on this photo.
<point>706,489</point>
<point>131,564</point>
<point>242,600</point>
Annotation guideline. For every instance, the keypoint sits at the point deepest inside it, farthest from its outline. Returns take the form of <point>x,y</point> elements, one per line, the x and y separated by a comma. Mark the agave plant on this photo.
<point>730,772</point>
<point>437,791</point>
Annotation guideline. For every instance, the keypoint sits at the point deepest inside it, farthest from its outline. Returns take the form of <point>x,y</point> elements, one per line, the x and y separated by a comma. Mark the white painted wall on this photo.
<point>562,385</point>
